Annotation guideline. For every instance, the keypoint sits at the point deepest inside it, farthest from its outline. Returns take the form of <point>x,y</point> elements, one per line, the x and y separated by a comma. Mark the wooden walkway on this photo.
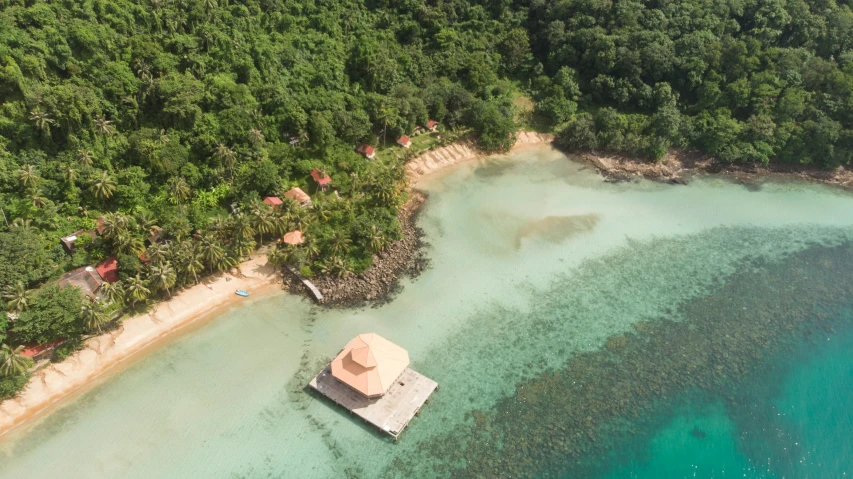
<point>316,292</point>
<point>390,413</point>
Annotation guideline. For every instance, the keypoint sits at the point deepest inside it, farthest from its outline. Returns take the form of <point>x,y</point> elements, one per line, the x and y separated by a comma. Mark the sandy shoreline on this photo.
<point>440,158</point>
<point>102,354</point>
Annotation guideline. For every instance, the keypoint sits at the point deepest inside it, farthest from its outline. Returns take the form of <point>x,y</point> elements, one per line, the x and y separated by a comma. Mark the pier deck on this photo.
<point>314,290</point>
<point>390,413</point>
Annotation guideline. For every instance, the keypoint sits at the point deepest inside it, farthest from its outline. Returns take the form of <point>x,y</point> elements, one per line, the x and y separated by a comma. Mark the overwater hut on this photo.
<point>85,278</point>
<point>273,201</point>
<point>293,238</point>
<point>404,141</point>
<point>432,125</point>
<point>70,240</point>
<point>371,377</point>
<point>370,364</point>
<point>321,178</point>
<point>108,270</point>
<point>368,151</point>
<point>296,194</point>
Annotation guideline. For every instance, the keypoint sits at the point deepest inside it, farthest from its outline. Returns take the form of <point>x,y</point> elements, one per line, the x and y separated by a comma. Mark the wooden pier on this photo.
<point>389,413</point>
<point>314,291</point>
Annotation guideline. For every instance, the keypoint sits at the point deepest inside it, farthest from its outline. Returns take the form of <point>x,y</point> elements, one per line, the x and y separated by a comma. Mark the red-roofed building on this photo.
<point>108,270</point>
<point>321,178</point>
<point>404,141</point>
<point>368,151</point>
<point>432,125</point>
<point>31,351</point>
<point>273,201</point>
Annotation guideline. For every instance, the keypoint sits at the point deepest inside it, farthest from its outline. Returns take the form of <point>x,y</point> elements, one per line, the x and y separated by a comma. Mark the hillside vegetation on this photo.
<point>184,114</point>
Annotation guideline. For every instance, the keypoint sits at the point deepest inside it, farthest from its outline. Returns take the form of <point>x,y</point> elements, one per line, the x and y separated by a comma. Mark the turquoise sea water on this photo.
<point>577,329</point>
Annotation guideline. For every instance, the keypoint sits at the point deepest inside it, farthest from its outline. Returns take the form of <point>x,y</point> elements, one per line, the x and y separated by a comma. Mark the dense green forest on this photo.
<point>184,114</point>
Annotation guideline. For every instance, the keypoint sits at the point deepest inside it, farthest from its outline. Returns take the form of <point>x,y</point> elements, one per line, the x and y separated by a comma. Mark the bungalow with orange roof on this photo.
<point>321,178</point>
<point>371,377</point>
<point>273,201</point>
<point>293,238</point>
<point>432,125</point>
<point>296,194</point>
<point>368,151</point>
<point>404,141</point>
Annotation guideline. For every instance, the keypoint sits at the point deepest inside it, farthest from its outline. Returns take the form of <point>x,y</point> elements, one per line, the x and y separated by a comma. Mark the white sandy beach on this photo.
<point>105,352</point>
<point>445,156</point>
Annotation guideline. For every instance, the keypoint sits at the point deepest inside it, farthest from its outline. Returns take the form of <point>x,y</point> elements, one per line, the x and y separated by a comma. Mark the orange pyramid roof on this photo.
<point>370,364</point>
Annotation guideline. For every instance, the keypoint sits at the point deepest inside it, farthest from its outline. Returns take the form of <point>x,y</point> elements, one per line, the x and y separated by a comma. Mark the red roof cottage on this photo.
<point>273,201</point>
<point>321,178</point>
<point>108,270</point>
<point>432,125</point>
<point>404,141</point>
<point>368,151</point>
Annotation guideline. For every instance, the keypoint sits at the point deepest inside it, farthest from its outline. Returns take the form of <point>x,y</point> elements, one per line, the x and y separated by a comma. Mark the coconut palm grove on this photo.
<point>144,135</point>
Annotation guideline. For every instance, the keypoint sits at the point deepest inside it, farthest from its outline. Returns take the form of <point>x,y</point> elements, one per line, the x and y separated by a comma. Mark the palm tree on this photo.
<point>146,222</point>
<point>23,224</point>
<point>41,119</point>
<point>12,362</point>
<point>256,137</point>
<point>113,292</point>
<point>335,266</point>
<point>127,243</point>
<point>37,199</point>
<point>93,314</point>
<point>69,174</point>
<point>28,175</point>
<point>339,242</point>
<point>226,262</point>
<point>211,251</point>
<point>264,222</point>
<point>103,186</point>
<point>219,225</point>
<point>137,290</point>
<point>114,225</point>
<point>17,298</point>
<point>180,190</point>
<point>377,239</point>
<point>227,156</point>
<point>243,246</point>
<point>157,253</point>
<point>104,128</point>
<point>385,114</point>
<point>86,158</point>
<point>242,227</point>
<point>193,264</point>
<point>163,277</point>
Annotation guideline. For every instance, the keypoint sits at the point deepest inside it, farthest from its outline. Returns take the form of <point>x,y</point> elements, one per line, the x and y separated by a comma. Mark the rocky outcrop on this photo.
<point>679,165</point>
<point>379,282</point>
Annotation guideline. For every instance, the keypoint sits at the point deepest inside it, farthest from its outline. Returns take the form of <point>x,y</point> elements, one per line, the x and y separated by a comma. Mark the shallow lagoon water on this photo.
<point>535,261</point>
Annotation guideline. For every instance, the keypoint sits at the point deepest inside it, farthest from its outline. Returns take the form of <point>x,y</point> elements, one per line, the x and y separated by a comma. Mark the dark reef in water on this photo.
<point>562,422</point>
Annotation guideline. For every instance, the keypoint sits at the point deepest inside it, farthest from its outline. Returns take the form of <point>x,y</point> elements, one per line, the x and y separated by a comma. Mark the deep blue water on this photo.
<point>792,419</point>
